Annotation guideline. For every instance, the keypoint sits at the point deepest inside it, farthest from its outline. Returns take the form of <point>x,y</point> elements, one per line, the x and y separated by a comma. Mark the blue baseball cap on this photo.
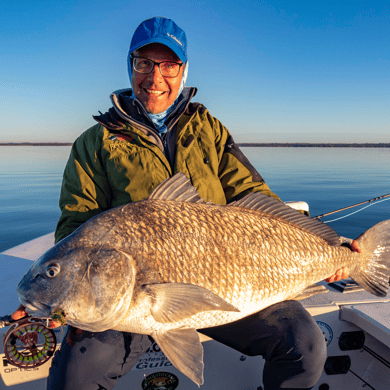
<point>161,30</point>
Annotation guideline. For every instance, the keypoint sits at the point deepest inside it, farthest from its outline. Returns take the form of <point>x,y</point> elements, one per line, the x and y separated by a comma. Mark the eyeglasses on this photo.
<point>145,66</point>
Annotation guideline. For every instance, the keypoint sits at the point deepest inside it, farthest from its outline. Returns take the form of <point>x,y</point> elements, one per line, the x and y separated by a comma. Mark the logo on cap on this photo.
<point>173,37</point>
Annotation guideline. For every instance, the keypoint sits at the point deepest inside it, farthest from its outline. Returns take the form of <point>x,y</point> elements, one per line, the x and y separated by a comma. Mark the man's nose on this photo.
<point>155,75</point>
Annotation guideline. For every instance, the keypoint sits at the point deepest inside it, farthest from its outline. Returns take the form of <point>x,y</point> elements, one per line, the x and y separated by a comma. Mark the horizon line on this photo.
<point>241,144</point>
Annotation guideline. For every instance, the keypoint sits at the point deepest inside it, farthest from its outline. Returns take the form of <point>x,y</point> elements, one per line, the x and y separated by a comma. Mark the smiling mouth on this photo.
<point>154,92</point>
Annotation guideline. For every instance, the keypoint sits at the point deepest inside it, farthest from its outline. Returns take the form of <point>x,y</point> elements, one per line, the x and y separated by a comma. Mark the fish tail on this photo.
<point>373,269</point>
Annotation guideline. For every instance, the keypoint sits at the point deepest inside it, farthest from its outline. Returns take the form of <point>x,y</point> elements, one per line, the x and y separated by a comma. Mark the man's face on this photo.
<point>155,91</point>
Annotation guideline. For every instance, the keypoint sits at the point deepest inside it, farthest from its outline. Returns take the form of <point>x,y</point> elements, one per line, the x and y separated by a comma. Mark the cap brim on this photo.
<point>166,42</point>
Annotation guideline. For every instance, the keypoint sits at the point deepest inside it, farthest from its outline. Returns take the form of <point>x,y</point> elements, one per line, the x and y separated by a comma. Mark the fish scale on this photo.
<point>165,267</point>
<point>233,261</point>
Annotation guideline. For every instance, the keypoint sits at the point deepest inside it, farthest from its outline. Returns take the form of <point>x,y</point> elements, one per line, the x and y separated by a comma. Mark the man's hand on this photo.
<point>20,312</point>
<point>343,272</point>
<point>54,324</point>
<point>355,247</point>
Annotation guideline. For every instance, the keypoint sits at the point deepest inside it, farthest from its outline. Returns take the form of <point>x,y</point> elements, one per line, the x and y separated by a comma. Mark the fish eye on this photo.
<point>52,270</point>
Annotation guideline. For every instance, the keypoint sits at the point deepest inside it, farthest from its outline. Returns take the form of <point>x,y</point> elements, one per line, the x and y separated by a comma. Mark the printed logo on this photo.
<point>173,37</point>
<point>120,137</point>
<point>11,368</point>
<point>327,331</point>
<point>152,359</point>
<point>160,381</point>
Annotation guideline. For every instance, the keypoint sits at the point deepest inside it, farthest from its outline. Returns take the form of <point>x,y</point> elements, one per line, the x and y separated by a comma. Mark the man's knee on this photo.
<point>296,332</point>
<point>88,359</point>
<point>297,353</point>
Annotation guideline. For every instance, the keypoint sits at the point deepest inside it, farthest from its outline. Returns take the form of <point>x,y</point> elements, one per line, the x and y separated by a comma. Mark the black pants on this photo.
<point>285,334</point>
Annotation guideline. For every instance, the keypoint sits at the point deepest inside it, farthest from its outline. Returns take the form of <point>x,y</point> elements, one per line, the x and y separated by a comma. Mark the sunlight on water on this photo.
<point>329,179</point>
<point>30,183</point>
<point>326,178</point>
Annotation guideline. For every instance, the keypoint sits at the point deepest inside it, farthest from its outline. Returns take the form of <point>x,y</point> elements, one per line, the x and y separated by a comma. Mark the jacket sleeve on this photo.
<point>237,175</point>
<point>85,190</point>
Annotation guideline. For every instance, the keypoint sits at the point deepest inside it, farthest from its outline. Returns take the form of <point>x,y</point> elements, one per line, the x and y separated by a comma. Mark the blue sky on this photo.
<point>271,71</point>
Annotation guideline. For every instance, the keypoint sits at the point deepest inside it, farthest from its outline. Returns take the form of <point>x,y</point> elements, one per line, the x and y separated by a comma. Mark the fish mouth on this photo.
<point>35,309</point>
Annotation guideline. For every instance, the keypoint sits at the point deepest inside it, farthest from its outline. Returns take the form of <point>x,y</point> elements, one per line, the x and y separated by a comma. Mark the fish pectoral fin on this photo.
<point>172,302</point>
<point>184,350</point>
<point>311,290</point>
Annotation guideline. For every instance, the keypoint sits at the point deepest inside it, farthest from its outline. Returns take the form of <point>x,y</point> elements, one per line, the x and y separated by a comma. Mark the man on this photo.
<point>151,132</point>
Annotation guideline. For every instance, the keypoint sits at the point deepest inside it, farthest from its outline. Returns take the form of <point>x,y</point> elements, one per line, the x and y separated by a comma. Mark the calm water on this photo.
<point>30,183</point>
<point>326,178</point>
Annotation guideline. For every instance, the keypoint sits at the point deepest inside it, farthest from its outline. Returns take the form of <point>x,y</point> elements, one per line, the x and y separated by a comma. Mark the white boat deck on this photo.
<point>32,250</point>
<point>371,317</point>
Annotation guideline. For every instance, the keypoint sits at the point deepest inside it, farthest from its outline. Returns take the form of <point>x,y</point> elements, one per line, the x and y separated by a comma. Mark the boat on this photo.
<point>355,324</point>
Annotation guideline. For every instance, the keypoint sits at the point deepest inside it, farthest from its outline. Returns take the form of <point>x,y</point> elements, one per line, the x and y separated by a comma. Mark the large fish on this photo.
<point>172,263</point>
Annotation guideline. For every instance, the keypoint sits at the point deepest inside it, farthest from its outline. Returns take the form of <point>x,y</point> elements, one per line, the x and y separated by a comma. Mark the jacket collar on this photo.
<point>129,110</point>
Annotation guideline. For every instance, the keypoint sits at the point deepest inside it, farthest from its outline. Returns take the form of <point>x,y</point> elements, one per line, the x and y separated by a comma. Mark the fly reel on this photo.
<point>29,343</point>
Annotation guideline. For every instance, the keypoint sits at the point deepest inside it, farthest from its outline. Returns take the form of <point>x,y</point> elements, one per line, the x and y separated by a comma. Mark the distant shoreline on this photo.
<point>36,143</point>
<point>313,145</point>
<point>241,144</point>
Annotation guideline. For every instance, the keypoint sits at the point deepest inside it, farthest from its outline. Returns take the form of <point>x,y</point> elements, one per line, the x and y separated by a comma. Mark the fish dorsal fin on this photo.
<point>177,188</point>
<point>265,204</point>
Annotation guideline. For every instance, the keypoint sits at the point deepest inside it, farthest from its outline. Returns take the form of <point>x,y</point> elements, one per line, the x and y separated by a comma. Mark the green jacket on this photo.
<point>122,159</point>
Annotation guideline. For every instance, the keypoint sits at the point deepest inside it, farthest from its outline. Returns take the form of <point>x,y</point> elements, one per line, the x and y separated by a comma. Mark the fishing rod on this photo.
<point>349,207</point>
